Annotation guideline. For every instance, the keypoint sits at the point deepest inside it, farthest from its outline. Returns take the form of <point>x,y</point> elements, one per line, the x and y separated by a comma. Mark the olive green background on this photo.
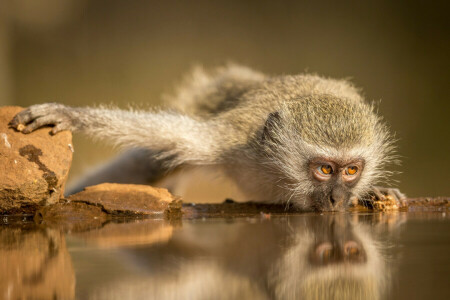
<point>81,52</point>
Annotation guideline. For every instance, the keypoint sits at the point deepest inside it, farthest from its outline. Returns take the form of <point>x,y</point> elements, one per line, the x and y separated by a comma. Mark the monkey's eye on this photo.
<point>324,253</point>
<point>326,169</point>
<point>351,170</point>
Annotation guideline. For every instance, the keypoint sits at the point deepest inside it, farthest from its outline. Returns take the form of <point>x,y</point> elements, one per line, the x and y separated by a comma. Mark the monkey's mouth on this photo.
<point>329,204</point>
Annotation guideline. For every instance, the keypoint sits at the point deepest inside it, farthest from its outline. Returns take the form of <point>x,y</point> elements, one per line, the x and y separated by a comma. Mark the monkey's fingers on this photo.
<point>38,123</point>
<point>34,117</point>
<point>378,194</point>
<point>22,118</point>
<point>25,122</point>
<point>389,194</point>
<point>398,196</point>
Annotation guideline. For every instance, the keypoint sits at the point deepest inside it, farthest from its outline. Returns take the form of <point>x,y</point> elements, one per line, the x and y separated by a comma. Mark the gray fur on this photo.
<point>222,118</point>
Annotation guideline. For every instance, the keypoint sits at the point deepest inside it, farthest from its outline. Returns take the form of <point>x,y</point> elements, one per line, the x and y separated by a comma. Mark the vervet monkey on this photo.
<point>305,140</point>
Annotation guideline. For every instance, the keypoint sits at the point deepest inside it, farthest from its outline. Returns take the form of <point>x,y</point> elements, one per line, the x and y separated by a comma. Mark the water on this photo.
<point>306,256</point>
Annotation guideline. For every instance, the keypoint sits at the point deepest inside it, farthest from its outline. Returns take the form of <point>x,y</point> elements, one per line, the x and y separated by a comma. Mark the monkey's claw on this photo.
<point>382,198</point>
<point>40,115</point>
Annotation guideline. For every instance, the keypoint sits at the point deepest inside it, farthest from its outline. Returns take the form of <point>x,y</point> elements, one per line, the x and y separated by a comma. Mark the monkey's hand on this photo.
<point>382,198</point>
<point>49,114</point>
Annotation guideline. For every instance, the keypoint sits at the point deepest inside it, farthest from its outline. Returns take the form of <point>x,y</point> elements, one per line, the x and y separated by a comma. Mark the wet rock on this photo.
<point>129,199</point>
<point>33,167</point>
<point>427,204</point>
<point>236,209</point>
<point>102,203</point>
<point>422,204</point>
<point>73,216</point>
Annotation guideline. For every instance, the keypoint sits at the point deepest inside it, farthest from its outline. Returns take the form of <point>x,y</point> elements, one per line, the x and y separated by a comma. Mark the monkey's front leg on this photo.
<point>175,134</point>
<point>54,114</point>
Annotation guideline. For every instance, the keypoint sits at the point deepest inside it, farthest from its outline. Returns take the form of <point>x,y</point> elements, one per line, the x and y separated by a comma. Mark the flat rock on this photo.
<point>427,204</point>
<point>73,216</point>
<point>229,208</point>
<point>33,167</point>
<point>129,199</point>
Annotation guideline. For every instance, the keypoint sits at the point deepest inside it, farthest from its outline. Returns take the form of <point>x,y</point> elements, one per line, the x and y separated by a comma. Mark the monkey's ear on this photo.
<point>272,122</point>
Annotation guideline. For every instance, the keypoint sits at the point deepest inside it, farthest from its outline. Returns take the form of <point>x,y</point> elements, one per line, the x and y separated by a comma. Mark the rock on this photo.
<point>129,199</point>
<point>33,167</point>
<point>427,204</point>
<point>100,204</point>
<point>235,209</point>
<point>73,216</point>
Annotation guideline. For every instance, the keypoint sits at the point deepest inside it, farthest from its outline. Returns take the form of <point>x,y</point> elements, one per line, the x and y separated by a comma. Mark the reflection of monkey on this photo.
<point>298,257</point>
<point>341,262</point>
<point>303,139</point>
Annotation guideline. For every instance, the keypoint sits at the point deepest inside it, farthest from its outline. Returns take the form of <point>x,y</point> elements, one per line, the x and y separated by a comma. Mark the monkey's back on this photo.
<point>206,94</point>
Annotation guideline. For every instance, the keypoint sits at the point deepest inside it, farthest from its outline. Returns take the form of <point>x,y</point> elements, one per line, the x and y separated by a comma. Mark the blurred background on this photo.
<point>81,52</point>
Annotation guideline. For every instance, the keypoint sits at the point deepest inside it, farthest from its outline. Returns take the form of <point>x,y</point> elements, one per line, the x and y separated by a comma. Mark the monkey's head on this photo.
<point>324,150</point>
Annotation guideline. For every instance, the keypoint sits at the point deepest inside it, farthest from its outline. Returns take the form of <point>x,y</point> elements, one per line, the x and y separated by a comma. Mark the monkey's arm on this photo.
<point>188,139</point>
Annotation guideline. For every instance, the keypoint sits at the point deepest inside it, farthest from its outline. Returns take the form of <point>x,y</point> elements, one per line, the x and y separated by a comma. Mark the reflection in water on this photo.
<point>332,256</point>
<point>35,264</point>
<point>113,235</point>
<point>296,257</point>
<point>331,260</point>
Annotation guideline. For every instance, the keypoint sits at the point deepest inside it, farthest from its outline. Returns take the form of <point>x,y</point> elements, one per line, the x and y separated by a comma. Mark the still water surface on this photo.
<point>307,256</point>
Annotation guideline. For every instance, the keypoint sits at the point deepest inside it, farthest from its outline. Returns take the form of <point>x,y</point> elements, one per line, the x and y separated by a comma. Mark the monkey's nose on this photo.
<point>337,200</point>
<point>332,200</point>
<point>335,203</point>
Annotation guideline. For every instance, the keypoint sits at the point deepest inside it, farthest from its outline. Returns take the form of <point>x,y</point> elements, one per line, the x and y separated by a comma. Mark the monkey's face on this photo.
<point>333,182</point>
<point>322,159</point>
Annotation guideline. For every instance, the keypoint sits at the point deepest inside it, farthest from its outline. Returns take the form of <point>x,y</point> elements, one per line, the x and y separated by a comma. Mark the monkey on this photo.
<point>304,141</point>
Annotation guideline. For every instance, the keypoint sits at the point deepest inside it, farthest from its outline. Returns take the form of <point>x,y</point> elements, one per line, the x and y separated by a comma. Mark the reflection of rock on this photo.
<point>142,232</point>
<point>33,167</point>
<point>35,264</point>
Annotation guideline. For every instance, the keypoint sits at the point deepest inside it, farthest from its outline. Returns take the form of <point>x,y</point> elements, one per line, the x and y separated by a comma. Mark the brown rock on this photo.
<point>131,199</point>
<point>427,204</point>
<point>73,216</point>
<point>33,167</point>
<point>229,208</point>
